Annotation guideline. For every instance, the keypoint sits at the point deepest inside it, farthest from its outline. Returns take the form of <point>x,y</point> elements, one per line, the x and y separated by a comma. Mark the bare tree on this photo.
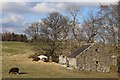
<point>110,23</point>
<point>33,30</point>
<point>91,27</point>
<point>51,32</point>
<point>74,14</point>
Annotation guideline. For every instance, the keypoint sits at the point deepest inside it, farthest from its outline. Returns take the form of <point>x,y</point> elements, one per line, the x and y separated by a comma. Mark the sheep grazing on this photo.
<point>14,70</point>
<point>44,58</point>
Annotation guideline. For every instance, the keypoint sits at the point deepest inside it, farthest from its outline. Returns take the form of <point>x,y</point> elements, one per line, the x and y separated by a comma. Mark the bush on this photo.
<point>55,58</point>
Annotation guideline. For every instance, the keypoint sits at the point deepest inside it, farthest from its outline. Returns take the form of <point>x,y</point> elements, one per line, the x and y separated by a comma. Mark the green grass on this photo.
<point>14,48</point>
<point>16,54</point>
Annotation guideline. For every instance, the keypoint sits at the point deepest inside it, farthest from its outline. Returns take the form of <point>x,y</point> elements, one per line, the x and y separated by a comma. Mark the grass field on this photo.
<point>16,54</point>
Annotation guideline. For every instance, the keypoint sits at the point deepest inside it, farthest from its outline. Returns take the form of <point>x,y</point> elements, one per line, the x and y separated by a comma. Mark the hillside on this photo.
<point>16,54</point>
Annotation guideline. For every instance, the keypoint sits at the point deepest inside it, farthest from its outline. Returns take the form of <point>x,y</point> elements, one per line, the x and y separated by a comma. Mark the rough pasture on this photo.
<point>17,53</point>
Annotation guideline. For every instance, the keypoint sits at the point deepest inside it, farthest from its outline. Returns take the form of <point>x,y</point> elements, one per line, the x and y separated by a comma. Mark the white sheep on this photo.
<point>42,57</point>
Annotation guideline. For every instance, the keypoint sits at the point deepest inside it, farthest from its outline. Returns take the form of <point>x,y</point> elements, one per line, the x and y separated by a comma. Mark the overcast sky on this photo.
<point>15,15</point>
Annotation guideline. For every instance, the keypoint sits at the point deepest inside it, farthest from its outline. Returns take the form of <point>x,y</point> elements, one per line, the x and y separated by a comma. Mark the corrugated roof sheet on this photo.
<point>77,52</point>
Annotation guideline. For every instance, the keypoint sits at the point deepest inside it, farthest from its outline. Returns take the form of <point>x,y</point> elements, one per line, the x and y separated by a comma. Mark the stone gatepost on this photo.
<point>50,58</point>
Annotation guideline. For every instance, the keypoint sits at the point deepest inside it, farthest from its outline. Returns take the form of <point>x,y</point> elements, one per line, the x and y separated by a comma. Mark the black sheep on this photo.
<point>14,70</point>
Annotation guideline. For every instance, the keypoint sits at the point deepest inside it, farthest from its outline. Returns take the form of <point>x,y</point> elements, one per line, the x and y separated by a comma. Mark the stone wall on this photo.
<point>72,62</point>
<point>97,58</point>
<point>62,59</point>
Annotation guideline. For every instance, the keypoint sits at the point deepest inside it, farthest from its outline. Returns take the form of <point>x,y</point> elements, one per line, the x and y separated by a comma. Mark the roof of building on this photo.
<point>77,52</point>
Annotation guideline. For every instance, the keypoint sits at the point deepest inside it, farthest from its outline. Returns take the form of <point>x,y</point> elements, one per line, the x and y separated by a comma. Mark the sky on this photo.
<point>17,14</point>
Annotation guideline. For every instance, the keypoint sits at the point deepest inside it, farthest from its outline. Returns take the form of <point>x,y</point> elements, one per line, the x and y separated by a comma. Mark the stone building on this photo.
<point>90,57</point>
